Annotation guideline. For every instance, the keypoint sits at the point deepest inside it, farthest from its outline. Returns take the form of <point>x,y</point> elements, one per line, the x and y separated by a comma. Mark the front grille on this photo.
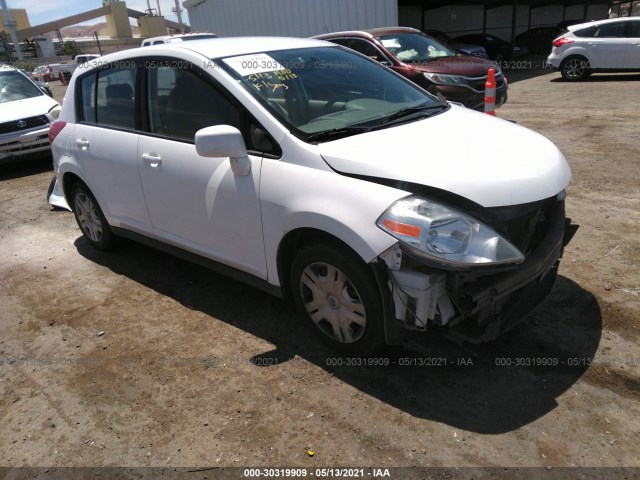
<point>31,122</point>
<point>477,83</point>
<point>525,226</point>
<point>21,147</point>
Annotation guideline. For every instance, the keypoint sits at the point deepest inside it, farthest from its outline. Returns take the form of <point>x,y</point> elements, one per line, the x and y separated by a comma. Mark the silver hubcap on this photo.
<point>333,303</point>
<point>88,217</point>
<point>574,68</point>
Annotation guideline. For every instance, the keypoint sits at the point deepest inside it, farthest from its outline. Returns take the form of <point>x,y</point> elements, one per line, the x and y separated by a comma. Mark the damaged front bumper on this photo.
<point>476,304</point>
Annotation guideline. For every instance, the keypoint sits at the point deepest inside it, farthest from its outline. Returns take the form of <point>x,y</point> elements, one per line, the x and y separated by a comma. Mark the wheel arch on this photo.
<point>575,53</point>
<point>68,180</point>
<point>294,240</point>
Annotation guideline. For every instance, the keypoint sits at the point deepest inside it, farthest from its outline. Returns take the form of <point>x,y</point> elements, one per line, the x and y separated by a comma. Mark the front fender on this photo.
<point>295,197</point>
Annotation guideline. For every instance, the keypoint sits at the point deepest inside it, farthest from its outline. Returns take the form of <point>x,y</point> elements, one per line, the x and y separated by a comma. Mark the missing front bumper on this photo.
<point>475,305</point>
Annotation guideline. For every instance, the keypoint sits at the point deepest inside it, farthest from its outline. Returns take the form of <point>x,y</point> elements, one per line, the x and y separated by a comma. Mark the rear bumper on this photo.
<point>554,60</point>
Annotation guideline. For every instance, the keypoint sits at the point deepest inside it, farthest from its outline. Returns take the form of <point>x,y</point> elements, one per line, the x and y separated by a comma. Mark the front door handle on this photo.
<point>152,160</point>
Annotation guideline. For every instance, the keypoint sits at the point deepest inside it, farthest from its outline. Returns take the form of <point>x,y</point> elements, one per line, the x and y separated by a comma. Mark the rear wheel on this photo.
<point>336,291</point>
<point>90,218</point>
<point>574,69</point>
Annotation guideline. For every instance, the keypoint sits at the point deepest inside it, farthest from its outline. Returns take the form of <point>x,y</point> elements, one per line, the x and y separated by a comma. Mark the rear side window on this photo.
<point>635,29</point>
<point>363,47</point>
<point>585,32</point>
<point>107,97</point>
<point>606,30</point>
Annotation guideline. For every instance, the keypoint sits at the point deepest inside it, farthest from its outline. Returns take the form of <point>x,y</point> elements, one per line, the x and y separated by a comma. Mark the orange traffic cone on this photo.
<point>490,93</point>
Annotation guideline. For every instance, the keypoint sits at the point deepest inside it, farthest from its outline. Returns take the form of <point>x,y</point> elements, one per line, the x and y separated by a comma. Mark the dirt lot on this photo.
<point>196,370</point>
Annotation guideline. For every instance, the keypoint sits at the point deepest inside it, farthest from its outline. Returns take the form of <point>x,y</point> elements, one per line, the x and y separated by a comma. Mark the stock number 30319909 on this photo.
<point>303,472</point>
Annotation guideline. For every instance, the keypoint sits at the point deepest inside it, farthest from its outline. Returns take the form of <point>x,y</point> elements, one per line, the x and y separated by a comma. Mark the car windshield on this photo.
<point>414,47</point>
<point>329,90</point>
<point>15,86</point>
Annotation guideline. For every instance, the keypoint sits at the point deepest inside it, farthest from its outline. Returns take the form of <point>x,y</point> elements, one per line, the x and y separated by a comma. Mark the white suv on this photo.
<point>26,111</point>
<point>606,45</point>
<point>184,37</point>
<point>305,169</point>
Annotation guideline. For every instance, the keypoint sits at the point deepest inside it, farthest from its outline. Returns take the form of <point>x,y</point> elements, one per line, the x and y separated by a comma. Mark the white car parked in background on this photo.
<point>183,37</point>
<point>26,111</point>
<point>303,168</point>
<point>606,45</point>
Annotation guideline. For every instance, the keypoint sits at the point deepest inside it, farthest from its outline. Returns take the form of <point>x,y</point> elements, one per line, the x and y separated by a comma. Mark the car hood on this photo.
<point>460,65</point>
<point>29,107</point>
<point>487,160</point>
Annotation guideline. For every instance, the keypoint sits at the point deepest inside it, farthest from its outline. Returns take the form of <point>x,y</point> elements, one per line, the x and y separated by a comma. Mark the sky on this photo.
<point>41,11</point>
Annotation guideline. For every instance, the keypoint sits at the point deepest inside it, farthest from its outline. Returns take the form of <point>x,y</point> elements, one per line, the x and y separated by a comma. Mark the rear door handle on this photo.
<point>152,160</point>
<point>83,143</point>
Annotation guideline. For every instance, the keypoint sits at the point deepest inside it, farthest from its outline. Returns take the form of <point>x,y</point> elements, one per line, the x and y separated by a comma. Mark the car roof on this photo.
<point>369,33</point>
<point>181,35</point>
<point>222,47</point>
<point>580,26</point>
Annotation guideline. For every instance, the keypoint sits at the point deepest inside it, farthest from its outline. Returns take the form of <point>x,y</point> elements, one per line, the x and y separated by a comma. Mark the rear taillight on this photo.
<point>558,42</point>
<point>55,128</point>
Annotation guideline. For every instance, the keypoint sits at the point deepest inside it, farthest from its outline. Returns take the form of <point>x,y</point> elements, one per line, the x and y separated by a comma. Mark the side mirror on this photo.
<point>224,141</point>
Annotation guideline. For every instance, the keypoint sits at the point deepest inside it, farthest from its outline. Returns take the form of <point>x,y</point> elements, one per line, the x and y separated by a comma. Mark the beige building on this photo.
<point>19,17</point>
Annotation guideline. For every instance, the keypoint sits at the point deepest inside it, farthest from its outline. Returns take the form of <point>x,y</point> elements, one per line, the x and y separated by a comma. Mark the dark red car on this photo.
<point>427,62</point>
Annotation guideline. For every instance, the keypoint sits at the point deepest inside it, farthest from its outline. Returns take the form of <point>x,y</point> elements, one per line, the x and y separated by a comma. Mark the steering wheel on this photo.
<point>279,108</point>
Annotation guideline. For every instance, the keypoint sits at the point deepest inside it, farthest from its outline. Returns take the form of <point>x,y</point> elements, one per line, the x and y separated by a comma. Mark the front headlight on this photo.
<point>446,236</point>
<point>441,79</point>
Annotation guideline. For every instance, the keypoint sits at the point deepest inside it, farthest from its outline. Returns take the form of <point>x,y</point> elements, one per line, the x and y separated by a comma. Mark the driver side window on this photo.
<point>180,102</point>
<point>365,48</point>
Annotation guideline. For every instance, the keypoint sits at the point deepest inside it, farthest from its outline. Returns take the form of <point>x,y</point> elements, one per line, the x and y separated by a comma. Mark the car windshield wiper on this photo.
<point>423,108</point>
<point>335,133</point>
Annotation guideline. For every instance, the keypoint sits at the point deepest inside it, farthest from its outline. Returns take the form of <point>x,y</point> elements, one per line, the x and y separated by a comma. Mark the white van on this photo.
<point>308,170</point>
<point>185,37</point>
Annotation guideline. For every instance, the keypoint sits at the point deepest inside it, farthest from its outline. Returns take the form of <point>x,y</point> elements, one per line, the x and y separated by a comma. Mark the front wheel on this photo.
<point>574,69</point>
<point>336,291</point>
<point>90,218</point>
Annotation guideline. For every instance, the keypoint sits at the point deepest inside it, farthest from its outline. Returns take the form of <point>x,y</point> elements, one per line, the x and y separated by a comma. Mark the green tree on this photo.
<point>69,48</point>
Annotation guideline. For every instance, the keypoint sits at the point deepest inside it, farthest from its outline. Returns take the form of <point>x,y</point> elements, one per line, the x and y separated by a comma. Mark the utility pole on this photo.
<point>178,11</point>
<point>12,28</point>
<point>514,22</point>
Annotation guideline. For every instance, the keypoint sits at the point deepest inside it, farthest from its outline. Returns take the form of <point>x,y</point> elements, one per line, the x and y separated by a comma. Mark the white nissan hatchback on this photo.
<point>311,171</point>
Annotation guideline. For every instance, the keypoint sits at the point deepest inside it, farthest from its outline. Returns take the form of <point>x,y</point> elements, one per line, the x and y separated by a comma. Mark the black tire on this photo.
<point>351,300</point>
<point>90,218</point>
<point>575,68</point>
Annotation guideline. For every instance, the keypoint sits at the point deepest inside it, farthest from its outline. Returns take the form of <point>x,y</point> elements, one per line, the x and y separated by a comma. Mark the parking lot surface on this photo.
<point>139,359</point>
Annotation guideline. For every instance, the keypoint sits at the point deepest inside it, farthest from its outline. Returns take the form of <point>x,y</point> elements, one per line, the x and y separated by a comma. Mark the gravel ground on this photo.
<point>135,358</point>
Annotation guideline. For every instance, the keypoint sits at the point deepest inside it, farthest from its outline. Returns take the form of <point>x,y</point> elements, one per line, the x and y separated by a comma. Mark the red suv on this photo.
<point>427,62</point>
